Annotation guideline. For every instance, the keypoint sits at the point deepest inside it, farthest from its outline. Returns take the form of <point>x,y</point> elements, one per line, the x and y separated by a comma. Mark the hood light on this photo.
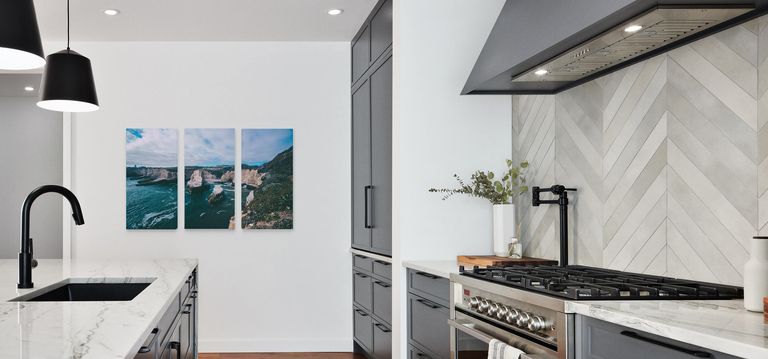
<point>633,28</point>
<point>541,72</point>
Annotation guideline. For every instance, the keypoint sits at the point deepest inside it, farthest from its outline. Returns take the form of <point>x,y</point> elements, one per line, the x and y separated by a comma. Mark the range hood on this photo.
<point>544,47</point>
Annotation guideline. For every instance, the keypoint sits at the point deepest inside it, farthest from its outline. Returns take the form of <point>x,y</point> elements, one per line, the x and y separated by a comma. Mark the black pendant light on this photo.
<point>68,84</point>
<point>20,45</point>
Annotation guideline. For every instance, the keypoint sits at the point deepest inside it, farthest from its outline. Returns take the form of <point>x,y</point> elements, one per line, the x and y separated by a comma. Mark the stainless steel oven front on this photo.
<point>482,311</point>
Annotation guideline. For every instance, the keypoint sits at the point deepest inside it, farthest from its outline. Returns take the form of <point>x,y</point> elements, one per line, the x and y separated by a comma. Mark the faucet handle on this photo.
<point>34,261</point>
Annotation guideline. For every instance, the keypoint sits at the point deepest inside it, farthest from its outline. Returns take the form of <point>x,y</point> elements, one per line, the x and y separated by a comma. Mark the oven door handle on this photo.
<point>485,338</point>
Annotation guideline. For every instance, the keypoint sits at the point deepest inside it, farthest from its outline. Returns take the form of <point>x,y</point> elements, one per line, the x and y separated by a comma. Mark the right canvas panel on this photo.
<point>267,178</point>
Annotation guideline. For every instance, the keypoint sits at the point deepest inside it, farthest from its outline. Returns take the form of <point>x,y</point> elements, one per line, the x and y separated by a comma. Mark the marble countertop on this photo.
<point>438,268</point>
<point>86,329</point>
<point>721,325</point>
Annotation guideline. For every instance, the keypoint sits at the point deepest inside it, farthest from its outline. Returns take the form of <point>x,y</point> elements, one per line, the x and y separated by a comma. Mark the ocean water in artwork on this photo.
<point>267,179</point>
<point>209,175</point>
<point>151,178</point>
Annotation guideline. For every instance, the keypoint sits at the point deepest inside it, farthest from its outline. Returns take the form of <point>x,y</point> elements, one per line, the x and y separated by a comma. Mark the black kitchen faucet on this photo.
<point>25,255</point>
<point>562,192</point>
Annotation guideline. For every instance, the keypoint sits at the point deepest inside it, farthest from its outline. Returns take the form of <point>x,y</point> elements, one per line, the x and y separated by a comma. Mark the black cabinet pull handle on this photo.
<point>185,312</point>
<point>422,355</point>
<point>368,200</point>
<point>428,303</point>
<point>383,263</point>
<point>148,347</point>
<point>695,353</point>
<point>362,313</point>
<point>427,275</point>
<point>361,275</point>
<point>382,328</point>
<point>385,285</point>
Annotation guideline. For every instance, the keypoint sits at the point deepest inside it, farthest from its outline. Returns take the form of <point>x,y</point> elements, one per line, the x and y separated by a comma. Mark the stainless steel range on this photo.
<point>525,306</point>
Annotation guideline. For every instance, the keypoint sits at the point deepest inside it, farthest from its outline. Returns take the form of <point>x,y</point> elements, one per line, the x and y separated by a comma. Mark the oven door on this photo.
<point>470,338</point>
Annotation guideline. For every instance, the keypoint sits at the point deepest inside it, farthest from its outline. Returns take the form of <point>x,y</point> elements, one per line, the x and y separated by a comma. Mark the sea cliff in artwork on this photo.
<point>209,174</point>
<point>267,179</point>
<point>151,175</point>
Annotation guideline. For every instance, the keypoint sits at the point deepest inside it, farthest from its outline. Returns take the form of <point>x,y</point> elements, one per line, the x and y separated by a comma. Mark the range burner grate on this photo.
<point>589,283</point>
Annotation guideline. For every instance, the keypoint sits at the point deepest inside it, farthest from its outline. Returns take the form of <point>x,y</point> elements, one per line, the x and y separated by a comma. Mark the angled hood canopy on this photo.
<point>544,47</point>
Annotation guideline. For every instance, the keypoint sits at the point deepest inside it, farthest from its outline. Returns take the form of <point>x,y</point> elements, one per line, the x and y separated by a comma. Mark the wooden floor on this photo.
<point>282,356</point>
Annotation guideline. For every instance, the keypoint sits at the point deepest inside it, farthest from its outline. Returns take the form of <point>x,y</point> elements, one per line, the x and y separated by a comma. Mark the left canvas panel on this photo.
<point>151,178</point>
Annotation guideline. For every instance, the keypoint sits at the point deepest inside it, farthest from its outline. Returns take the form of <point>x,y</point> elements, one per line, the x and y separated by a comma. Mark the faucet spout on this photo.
<point>25,253</point>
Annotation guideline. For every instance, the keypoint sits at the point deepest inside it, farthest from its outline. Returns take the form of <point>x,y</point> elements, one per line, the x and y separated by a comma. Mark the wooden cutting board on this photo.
<point>496,261</point>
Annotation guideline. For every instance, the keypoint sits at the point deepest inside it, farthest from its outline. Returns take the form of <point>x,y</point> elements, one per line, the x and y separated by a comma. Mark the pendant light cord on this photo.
<point>67,25</point>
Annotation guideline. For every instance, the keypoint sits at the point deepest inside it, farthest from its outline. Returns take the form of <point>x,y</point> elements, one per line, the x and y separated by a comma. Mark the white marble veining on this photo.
<point>723,326</point>
<point>438,268</point>
<point>85,329</point>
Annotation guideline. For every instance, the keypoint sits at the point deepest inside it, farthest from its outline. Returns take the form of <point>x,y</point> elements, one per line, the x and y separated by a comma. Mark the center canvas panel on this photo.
<point>209,175</point>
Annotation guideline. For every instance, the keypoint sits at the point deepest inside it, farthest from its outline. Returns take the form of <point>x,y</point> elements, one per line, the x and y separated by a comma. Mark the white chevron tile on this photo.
<point>644,103</point>
<point>647,231</point>
<point>617,97</point>
<point>651,251</point>
<point>692,267</point>
<point>733,96</point>
<point>657,266</point>
<point>710,195</point>
<point>742,40</point>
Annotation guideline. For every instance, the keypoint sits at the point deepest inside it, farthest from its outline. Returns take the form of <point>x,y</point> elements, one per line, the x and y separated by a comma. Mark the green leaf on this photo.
<point>524,164</point>
<point>490,175</point>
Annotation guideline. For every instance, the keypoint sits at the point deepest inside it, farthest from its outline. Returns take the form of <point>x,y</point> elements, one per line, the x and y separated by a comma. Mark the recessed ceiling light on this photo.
<point>632,28</point>
<point>29,89</point>
<point>541,72</point>
<point>111,12</point>
<point>334,12</point>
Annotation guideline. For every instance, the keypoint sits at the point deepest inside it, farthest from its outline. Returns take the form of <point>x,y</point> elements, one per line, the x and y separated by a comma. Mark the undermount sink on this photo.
<point>85,292</point>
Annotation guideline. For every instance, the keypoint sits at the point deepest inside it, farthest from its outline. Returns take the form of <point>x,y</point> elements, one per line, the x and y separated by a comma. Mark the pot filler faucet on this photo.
<point>562,192</point>
<point>25,255</point>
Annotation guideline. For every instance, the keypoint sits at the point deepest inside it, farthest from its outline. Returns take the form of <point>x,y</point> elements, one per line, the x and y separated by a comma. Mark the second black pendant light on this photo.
<point>68,84</point>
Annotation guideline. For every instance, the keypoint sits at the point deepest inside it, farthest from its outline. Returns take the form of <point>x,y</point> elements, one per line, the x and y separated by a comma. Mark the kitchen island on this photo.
<point>113,329</point>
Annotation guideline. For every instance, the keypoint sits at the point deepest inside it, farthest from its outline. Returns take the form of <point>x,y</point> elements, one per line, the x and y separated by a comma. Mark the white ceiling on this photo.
<point>203,20</point>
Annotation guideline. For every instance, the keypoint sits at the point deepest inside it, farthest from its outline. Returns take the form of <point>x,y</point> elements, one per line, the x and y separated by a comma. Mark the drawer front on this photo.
<point>430,286</point>
<point>597,339</point>
<point>363,263</point>
<point>363,330</point>
<point>167,320</point>
<point>382,341</point>
<point>415,353</point>
<point>363,290</point>
<point>428,325</point>
<point>382,269</point>
<point>382,300</point>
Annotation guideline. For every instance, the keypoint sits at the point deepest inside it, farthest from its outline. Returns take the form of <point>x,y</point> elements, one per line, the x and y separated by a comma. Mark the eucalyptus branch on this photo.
<point>485,185</point>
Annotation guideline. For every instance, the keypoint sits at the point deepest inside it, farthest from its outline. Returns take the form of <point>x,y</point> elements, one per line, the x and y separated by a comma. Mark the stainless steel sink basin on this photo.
<point>85,292</point>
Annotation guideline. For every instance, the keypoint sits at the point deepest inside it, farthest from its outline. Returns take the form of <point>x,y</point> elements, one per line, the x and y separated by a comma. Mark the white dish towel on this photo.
<point>500,350</point>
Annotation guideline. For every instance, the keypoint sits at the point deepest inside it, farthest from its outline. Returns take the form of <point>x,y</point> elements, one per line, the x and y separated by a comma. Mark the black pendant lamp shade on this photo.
<point>68,84</point>
<point>20,45</point>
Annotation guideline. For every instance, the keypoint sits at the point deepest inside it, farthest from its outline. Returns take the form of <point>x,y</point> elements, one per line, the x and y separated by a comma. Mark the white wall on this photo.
<point>438,133</point>
<point>260,290</point>
<point>30,151</point>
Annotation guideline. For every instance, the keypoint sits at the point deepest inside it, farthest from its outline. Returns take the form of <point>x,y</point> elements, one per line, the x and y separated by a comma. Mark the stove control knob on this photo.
<point>512,315</point>
<point>537,324</point>
<point>523,319</point>
<point>474,302</point>
<point>493,309</point>
<point>483,306</point>
<point>502,313</point>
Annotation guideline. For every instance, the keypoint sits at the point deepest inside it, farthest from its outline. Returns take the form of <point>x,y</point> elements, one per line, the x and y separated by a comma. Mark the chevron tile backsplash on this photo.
<point>670,158</point>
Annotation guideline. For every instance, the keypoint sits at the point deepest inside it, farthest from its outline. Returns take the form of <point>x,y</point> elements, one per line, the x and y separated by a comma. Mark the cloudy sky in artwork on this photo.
<point>209,147</point>
<point>262,145</point>
<point>151,147</point>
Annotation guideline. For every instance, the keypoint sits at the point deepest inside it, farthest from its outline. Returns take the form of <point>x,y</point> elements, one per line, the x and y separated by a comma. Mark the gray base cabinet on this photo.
<point>176,334</point>
<point>597,339</point>
<point>429,336</point>
<point>372,311</point>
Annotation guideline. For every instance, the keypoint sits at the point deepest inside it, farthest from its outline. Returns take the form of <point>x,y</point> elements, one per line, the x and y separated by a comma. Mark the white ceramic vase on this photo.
<point>756,275</point>
<point>504,224</point>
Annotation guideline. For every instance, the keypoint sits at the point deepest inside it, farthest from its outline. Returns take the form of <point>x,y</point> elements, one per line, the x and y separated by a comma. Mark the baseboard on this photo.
<point>275,345</point>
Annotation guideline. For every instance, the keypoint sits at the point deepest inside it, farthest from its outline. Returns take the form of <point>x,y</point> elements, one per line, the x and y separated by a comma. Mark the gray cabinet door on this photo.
<point>361,54</point>
<point>362,290</point>
<point>428,326</point>
<point>382,341</point>
<point>596,339</point>
<point>381,30</point>
<point>361,167</point>
<point>363,329</point>
<point>382,300</point>
<point>381,155</point>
